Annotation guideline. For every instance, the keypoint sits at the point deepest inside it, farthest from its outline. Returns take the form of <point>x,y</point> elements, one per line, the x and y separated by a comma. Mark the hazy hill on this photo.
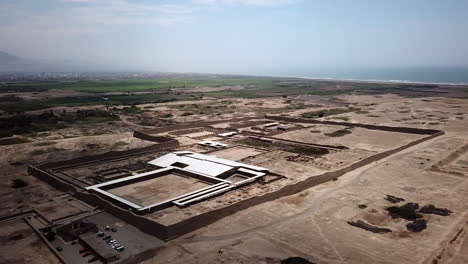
<point>8,58</point>
<point>11,63</point>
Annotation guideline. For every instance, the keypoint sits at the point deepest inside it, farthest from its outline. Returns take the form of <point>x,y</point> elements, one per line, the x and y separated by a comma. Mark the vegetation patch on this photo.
<point>369,227</point>
<point>431,209</point>
<point>186,114</point>
<point>95,116</point>
<point>21,124</point>
<point>25,124</point>
<point>407,211</point>
<point>296,260</point>
<point>10,98</point>
<point>128,110</point>
<point>165,115</point>
<point>362,206</point>
<point>339,133</point>
<point>162,90</point>
<point>15,108</point>
<point>394,199</point>
<point>44,151</point>
<point>13,140</point>
<point>32,105</point>
<point>44,144</point>
<point>417,225</point>
<point>18,183</point>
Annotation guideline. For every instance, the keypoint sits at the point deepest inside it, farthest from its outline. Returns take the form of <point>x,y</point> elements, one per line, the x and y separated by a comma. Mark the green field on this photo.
<point>12,141</point>
<point>15,107</point>
<point>48,121</point>
<point>136,85</point>
<point>254,87</point>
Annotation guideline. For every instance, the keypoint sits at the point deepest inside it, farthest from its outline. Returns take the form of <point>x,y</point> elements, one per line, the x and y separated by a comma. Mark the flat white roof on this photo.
<point>198,166</point>
<point>227,134</point>
<point>213,144</point>
<point>200,163</point>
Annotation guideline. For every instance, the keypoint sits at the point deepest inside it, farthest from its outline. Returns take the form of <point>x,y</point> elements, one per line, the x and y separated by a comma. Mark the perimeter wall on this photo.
<point>409,130</point>
<point>196,222</point>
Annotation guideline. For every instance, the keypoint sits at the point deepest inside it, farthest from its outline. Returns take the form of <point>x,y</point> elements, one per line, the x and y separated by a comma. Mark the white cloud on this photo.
<point>123,11</point>
<point>66,27</point>
<point>84,17</point>
<point>78,1</point>
<point>247,2</point>
<point>74,26</point>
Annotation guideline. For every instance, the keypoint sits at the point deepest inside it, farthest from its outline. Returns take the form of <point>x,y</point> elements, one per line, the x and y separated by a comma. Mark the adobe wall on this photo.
<point>305,143</point>
<point>452,156</point>
<point>51,180</point>
<point>196,222</point>
<point>193,125</point>
<point>141,223</point>
<point>108,156</point>
<point>409,130</point>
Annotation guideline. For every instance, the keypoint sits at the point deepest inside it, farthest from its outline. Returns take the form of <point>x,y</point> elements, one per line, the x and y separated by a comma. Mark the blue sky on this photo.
<point>238,36</point>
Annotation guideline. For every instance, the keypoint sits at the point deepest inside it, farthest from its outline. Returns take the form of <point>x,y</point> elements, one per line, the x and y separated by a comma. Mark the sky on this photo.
<point>237,36</point>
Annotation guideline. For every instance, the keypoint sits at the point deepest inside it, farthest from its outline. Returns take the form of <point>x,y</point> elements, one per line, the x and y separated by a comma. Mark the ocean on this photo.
<point>439,75</point>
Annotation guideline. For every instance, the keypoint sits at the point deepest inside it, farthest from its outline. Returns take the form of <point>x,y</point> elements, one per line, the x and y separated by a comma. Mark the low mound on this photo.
<point>368,227</point>
<point>296,260</point>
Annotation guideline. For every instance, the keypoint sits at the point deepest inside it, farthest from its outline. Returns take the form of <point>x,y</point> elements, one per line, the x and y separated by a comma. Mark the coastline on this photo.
<point>383,81</point>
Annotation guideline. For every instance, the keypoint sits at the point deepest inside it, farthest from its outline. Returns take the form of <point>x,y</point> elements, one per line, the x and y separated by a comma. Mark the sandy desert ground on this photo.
<point>312,224</point>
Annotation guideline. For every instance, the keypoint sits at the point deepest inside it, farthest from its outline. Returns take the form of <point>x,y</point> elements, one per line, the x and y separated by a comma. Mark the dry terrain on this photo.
<point>312,224</point>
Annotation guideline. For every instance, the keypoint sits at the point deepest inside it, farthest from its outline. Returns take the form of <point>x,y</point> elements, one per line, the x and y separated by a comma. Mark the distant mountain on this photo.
<point>13,63</point>
<point>10,63</point>
<point>8,58</point>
